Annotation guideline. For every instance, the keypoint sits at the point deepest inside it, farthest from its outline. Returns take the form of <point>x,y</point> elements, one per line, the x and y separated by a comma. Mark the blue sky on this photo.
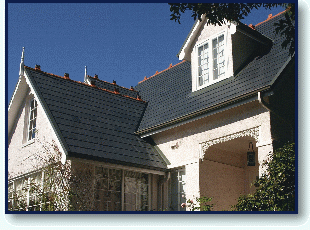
<point>123,42</point>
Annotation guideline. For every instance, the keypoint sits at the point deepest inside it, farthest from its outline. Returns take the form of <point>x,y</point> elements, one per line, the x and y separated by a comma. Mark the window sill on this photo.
<point>209,87</point>
<point>28,143</point>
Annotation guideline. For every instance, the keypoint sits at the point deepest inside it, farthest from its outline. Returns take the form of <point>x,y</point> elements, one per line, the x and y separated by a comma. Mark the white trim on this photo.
<point>211,58</point>
<point>252,132</point>
<point>28,143</point>
<point>190,38</point>
<point>117,166</point>
<point>29,108</point>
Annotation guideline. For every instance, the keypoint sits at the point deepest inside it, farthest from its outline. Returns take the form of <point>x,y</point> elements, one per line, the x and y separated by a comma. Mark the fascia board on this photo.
<point>60,140</point>
<point>16,102</point>
<point>190,37</point>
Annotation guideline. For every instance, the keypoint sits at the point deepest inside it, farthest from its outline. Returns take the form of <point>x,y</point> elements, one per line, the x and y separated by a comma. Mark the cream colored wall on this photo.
<point>224,174</point>
<point>224,183</point>
<point>191,135</point>
<point>27,157</point>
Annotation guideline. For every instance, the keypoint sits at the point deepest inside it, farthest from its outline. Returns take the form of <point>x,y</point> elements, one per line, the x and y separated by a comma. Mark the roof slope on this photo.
<point>95,123</point>
<point>170,97</point>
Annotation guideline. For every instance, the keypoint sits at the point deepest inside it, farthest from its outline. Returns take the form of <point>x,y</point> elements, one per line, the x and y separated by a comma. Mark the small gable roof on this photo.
<point>170,97</point>
<point>93,122</point>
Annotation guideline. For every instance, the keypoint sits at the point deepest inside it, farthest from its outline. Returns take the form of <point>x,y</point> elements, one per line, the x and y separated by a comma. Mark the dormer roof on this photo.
<point>184,52</point>
<point>169,94</point>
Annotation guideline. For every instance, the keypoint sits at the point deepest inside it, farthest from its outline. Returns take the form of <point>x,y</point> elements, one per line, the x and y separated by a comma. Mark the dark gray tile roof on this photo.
<point>95,123</point>
<point>169,94</point>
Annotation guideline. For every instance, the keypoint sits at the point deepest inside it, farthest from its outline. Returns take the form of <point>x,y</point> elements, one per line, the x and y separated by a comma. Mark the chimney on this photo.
<point>114,82</point>
<point>96,76</point>
<point>66,76</point>
<point>131,88</point>
<point>37,67</point>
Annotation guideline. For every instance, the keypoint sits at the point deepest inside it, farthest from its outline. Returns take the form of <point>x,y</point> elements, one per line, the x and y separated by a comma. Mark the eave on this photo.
<point>228,104</point>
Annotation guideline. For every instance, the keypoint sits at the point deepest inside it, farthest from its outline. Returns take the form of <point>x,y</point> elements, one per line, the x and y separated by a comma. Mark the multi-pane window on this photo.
<point>136,191</point>
<point>32,119</point>
<point>25,194</point>
<point>211,61</point>
<point>218,57</point>
<point>117,190</point>
<point>108,189</point>
<point>178,196</point>
<point>114,190</point>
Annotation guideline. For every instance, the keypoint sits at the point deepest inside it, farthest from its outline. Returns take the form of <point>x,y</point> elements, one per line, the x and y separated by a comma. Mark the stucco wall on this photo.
<point>224,183</point>
<point>23,156</point>
<point>182,145</point>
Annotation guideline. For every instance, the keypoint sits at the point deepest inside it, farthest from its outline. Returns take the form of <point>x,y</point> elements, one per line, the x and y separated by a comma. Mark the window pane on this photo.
<point>200,81</point>
<point>221,40</point>
<point>199,71</point>
<point>203,64</point>
<point>200,49</point>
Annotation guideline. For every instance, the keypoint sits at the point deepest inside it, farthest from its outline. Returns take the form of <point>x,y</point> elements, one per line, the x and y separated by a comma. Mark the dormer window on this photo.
<point>211,61</point>
<point>32,119</point>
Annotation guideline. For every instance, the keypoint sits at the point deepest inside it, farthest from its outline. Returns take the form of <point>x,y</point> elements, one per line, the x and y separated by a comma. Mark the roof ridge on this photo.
<point>170,66</point>
<point>131,89</point>
<point>270,17</point>
<point>82,83</point>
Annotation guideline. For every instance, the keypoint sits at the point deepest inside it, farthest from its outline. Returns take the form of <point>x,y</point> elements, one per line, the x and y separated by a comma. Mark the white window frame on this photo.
<point>22,187</point>
<point>209,41</point>
<point>30,119</point>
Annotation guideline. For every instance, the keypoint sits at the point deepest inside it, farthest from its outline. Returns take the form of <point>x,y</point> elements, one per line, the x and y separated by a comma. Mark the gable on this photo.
<point>26,154</point>
<point>95,123</point>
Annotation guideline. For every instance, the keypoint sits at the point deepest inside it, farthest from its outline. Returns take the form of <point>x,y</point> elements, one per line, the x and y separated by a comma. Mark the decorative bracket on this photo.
<point>253,132</point>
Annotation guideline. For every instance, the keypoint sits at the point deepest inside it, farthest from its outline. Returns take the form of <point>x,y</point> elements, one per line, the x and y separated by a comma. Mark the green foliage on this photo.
<point>276,190</point>
<point>51,194</point>
<point>201,205</point>
<point>218,13</point>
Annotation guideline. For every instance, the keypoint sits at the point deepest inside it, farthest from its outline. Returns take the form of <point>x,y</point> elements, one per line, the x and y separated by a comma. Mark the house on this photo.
<point>187,131</point>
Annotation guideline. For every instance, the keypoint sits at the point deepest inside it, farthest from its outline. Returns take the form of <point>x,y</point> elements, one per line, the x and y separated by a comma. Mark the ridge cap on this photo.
<point>170,66</point>
<point>82,83</point>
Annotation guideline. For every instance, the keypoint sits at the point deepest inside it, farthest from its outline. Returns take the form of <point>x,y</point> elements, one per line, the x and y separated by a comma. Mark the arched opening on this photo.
<point>224,174</point>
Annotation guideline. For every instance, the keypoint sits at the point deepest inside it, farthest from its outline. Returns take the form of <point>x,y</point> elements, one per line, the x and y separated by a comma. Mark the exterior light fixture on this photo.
<point>250,155</point>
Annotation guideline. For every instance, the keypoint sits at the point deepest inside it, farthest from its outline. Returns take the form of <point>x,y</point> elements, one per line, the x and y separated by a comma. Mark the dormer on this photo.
<point>220,52</point>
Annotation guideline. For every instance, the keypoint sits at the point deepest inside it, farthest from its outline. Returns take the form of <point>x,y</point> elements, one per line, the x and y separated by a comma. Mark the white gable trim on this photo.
<point>17,100</point>
<point>191,37</point>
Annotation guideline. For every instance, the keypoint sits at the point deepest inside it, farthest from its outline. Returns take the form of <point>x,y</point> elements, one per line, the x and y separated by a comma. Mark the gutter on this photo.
<point>145,132</point>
